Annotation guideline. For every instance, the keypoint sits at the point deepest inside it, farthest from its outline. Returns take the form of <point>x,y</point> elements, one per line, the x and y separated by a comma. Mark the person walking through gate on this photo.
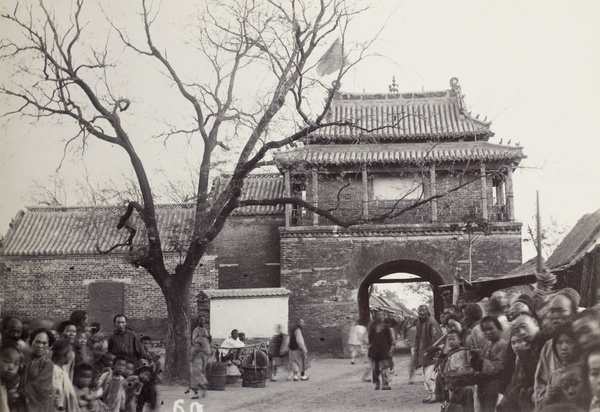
<point>428,332</point>
<point>380,339</point>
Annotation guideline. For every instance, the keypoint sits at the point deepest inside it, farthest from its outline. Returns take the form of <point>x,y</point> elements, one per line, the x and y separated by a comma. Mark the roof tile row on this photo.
<point>59,231</point>
<point>405,116</point>
<point>407,153</point>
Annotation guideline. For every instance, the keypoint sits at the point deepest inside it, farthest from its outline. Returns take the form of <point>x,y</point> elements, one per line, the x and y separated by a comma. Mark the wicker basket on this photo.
<point>458,378</point>
<point>216,375</point>
<point>232,380</point>
<point>254,377</point>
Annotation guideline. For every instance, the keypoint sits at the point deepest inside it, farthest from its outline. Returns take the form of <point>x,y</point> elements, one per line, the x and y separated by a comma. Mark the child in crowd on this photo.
<point>83,353</point>
<point>88,396</point>
<point>94,328</point>
<point>99,345</point>
<point>592,366</point>
<point>11,360</point>
<point>153,357</point>
<point>457,361</point>
<point>104,364</point>
<point>63,393</point>
<point>148,395</point>
<point>111,383</point>
<point>132,386</point>
<point>490,363</point>
<point>68,332</point>
<point>567,384</point>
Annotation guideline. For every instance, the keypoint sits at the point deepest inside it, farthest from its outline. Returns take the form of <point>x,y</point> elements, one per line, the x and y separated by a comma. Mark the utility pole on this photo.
<point>540,258</point>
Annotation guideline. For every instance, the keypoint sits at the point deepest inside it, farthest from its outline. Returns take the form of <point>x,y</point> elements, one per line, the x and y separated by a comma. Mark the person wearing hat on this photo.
<point>562,308</point>
<point>522,304</point>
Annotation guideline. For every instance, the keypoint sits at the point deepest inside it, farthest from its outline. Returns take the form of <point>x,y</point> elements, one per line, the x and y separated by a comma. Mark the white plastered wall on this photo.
<point>256,317</point>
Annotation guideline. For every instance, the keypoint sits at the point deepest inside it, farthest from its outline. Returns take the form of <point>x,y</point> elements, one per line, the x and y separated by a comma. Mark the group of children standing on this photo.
<point>69,368</point>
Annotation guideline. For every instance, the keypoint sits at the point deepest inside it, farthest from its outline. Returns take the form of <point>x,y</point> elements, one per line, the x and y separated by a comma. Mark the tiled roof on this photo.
<point>245,293</point>
<point>52,231</point>
<point>398,153</point>
<point>584,237</point>
<point>262,186</point>
<point>401,117</point>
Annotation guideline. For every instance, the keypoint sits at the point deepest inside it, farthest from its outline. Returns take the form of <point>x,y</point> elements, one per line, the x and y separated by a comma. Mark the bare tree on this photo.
<point>61,67</point>
<point>472,227</point>
<point>67,76</point>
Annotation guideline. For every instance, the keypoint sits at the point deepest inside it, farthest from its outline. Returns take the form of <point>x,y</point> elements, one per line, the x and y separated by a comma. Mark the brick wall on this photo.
<point>450,208</point>
<point>248,250</point>
<point>52,288</point>
<point>348,188</point>
<point>455,205</point>
<point>324,270</point>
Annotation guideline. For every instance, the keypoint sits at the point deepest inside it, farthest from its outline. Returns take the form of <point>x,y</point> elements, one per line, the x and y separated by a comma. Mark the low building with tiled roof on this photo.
<point>53,259</point>
<point>575,263</point>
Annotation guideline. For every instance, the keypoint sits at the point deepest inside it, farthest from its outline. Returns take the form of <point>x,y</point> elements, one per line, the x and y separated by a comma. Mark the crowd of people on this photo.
<point>71,366</point>
<point>520,355</point>
<point>523,354</point>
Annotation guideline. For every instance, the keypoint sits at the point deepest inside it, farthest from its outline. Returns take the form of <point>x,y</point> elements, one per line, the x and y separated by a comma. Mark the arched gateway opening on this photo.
<point>420,269</point>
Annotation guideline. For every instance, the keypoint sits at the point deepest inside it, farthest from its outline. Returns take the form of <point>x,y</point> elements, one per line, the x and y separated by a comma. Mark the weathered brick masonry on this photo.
<point>324,267</point>
<point>248,250</point>
<point>51,288</point>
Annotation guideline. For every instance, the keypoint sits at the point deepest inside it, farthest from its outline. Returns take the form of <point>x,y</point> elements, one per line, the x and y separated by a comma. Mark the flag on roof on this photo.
<point>333,59</point>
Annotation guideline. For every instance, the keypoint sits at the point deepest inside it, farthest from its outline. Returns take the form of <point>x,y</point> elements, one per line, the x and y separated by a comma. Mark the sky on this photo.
<point>531,67</point>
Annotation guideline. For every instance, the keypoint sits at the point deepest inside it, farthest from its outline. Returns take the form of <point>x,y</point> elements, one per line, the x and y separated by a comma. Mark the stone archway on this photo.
<point>414,267</point>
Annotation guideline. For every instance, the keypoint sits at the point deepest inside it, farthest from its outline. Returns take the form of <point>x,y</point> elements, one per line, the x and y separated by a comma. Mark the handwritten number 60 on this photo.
<point>194,406</point>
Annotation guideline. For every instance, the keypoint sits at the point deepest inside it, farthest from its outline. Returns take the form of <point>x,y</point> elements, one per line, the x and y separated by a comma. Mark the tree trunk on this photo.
<point>177,359</point>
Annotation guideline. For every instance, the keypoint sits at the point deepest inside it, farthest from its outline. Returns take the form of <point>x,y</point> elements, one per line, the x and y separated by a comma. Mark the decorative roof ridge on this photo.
<point>271,175</point>
<point>65,209</point>
<point>341,95</point>
<point>394,146</point>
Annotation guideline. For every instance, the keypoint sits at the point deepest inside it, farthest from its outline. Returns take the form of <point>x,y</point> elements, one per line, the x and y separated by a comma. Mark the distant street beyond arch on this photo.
<point>424,272</point>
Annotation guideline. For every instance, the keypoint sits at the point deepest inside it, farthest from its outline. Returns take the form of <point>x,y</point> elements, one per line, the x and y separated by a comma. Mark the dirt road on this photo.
<point>333,385</point>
